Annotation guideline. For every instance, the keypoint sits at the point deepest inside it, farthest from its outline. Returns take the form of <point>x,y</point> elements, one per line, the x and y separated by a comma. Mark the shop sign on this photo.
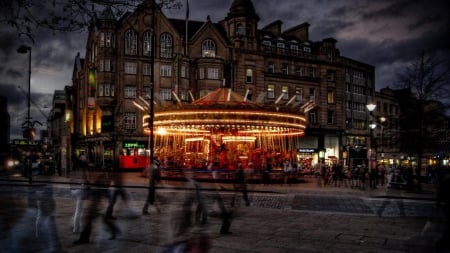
<point>307,150</point>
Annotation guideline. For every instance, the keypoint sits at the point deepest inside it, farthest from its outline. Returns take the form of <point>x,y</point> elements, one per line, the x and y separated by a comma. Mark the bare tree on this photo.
<point>423,105</point>
<point>26,16</point>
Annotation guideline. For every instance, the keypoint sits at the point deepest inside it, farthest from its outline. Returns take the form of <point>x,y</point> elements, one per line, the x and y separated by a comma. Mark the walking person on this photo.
<point>240,183</point>
<point>97,192</point>
<point>153,174</point>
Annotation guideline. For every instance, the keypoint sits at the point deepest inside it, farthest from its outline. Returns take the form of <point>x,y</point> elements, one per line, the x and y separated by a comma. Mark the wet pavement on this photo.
<point>281,218</point>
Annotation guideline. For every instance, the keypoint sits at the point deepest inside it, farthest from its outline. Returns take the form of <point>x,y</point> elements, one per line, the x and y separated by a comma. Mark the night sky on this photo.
<point>387,34</point>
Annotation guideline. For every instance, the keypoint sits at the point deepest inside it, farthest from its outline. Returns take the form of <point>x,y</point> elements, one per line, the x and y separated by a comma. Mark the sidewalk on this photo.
<point>307,184</point>
<point>255,229</point>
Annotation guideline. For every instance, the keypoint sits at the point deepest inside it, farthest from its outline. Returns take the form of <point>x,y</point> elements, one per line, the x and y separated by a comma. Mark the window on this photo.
<point>271,91</point>
<point>239,30</point>
<point>130,42</point>
<point>298,71</point>
<point>165,94</point>
<point>312,72</point>
<point>330,117</point>
<point>312,115</point>
<point>183,71</point>
<point>130,91</point>
<point>299,94</point>
<point>107,65</point>
<point>109,40</point>
<point>330,97</point>
<point>285,91</point>
<point>307,49</point>
<point>271,67</point>
<point>146,69</point>
<point>146,43</point>
<point>145,92</point>
<point>166,45</point>
<point>101,66</point>
<point>166,70</point>
<point>285,69</point>
<point>129,120</point>
<point>201,73</point>
<point>213,73</point>
<point>312,94</point>
<point>131,68</point>
<point>208,48</point>
<point>330,75</point>
<point>249,76</point>
<point>183,94</point>
<point>267,43</point>
<point>105,90</point>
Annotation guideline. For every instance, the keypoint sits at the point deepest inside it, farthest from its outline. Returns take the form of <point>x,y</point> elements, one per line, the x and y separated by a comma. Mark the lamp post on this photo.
<point>382,120</point>
<point>23,50</point>
<point>371,107</point>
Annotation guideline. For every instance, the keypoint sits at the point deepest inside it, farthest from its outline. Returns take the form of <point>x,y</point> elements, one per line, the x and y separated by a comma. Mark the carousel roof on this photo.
<point>225,110</point>
<point>223,96</point>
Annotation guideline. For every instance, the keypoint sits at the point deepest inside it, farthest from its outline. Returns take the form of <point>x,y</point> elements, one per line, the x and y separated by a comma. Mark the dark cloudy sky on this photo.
<point>387,34</point>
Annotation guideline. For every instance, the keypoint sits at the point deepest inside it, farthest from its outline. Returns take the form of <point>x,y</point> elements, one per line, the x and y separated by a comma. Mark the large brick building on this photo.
<point>193,58</point>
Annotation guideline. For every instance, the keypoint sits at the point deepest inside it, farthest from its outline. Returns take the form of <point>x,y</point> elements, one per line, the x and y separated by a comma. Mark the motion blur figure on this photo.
<point>153,174</point>
<point>187,225</point>
<point>97,192</point>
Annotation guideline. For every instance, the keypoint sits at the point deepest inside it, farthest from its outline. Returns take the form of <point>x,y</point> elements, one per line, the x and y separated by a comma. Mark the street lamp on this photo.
<point>382,120</point>
<point>23,50</point>
<point>371,107</point>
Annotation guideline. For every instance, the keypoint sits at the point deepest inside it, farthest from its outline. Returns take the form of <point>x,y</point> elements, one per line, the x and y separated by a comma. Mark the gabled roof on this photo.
<point>180,26</point>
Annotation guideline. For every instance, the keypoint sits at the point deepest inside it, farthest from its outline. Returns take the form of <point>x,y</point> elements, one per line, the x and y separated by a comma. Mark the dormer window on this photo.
<point>208,48</point>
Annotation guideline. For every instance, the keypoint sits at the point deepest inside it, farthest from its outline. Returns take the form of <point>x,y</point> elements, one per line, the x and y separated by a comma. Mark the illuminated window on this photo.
<point>285,91</point>
<point>208,48</point>
<point>271,91</point>
<point>249,76</point>
<point>330,97</point>
<point>130,42</point>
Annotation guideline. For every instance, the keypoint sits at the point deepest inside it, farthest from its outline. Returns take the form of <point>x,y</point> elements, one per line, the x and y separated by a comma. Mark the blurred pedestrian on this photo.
<point>98,191</point>
<point>153,174</point>
<point>240,184</point>
<point>116,179</point>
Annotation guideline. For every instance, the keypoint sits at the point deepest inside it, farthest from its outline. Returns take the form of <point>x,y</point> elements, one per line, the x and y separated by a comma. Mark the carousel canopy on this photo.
<point>227,111</point>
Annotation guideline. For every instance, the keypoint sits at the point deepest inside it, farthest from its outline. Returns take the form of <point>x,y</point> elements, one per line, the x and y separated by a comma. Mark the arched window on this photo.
<point>166,45</point>
<point>131,42</point>
<point>146,43</point>
<point>239,30</point>
<point>208,48</point>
